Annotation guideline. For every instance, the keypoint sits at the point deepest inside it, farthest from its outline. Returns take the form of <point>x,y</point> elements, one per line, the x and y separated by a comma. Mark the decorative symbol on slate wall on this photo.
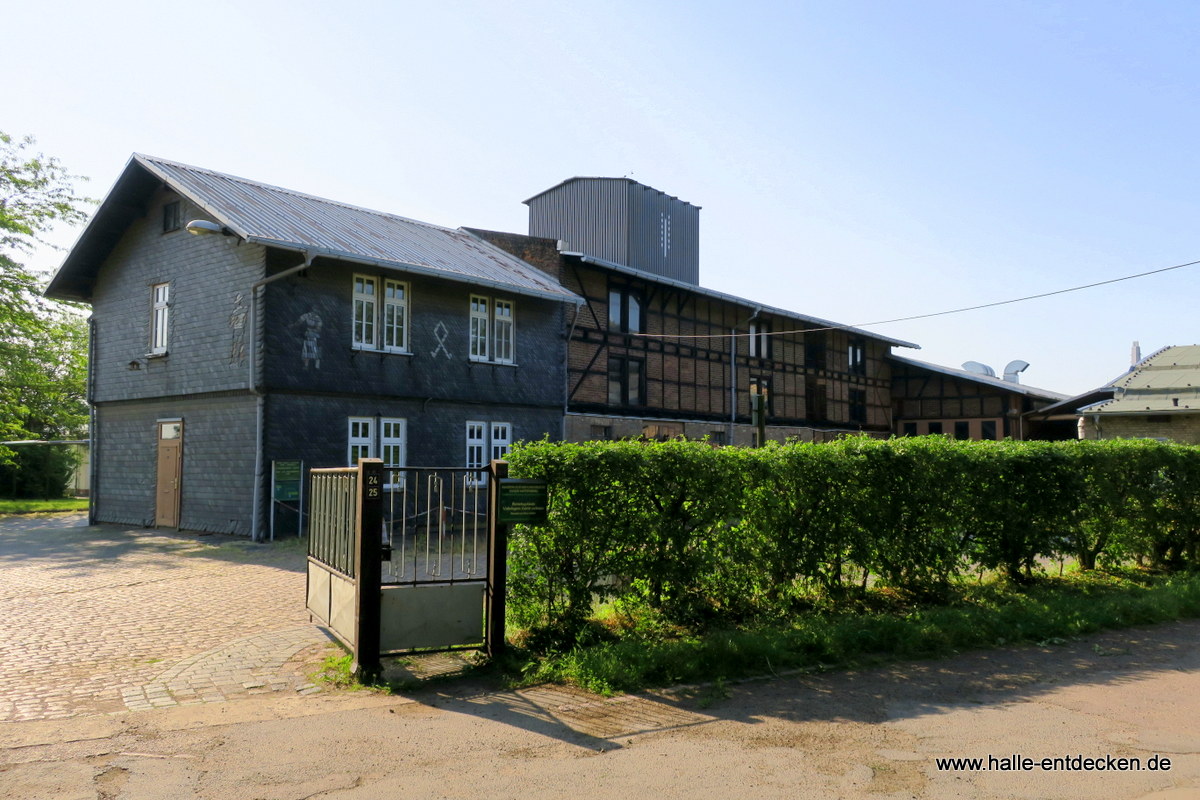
<point>237,326</point>
<point>442,333</point>
<point>310,351</point>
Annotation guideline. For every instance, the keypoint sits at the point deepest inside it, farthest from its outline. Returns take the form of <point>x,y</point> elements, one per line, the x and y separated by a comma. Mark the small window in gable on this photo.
<point>172,218</point>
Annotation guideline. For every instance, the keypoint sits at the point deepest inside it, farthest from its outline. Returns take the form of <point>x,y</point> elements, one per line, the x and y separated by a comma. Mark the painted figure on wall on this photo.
<point>237,326</point>
<point>310,351</point>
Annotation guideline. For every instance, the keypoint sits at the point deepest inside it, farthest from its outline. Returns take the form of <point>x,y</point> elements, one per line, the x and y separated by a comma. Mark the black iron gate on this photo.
<point>398,560</point>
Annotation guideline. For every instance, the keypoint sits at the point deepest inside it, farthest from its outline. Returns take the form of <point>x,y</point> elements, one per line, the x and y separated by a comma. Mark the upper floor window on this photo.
<point>366,304</point>
<point>624,310</point>
<point>492,330</point>
<point>172,219</point>
<point>379,314</point>
<point>857,357</point>
<point>814,350</point>
<point>159,317</point>
<point>760,339</point>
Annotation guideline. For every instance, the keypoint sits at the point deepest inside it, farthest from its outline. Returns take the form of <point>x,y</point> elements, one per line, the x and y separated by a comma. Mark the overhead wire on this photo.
<point>920,316</point>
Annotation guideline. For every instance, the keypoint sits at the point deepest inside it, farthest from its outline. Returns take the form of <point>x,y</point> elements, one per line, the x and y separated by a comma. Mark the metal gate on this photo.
<point>398,560</point>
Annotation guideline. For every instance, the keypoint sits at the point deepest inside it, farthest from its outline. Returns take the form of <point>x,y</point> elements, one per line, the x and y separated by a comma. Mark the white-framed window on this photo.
<point>501,439</point>
<point>379,314</point>
<point>503,331</point>
<point>160,294</point>
<point>365,305</point>
<point>393,444</point>
<point>360,441</point>
<point>486,441</point>
<point>480,316</point>
<point>395,316</point>
<point>492,331</point>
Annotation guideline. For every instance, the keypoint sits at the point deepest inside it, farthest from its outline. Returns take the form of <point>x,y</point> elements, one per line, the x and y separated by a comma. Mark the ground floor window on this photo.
<point>486,441</point>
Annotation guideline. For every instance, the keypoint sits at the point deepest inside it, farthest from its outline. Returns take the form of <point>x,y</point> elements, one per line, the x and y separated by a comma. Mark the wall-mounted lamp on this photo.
<point>203,227</point>
<point>135,365</point>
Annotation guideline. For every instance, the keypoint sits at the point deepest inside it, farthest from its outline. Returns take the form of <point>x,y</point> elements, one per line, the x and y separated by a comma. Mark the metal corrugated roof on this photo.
<point>713,293</point>
<point>986,380</point>
<point>1166,382</point>
<point>278,217</point>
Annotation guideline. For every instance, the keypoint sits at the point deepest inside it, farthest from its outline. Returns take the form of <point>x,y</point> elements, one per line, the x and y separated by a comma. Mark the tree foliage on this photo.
<point>43,344</point>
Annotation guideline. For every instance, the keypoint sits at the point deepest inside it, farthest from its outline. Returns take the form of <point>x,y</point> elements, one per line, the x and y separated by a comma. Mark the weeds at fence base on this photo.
<point>623,652</point>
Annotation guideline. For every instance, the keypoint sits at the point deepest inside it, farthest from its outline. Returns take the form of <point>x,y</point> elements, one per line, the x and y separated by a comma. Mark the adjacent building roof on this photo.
<point>1167,382</point>
<point>986,380</point>
<point>276,217</point>
<point>751,304</point>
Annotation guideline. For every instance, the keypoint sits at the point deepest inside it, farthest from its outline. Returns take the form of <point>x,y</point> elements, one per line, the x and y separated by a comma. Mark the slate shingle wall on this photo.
<point>206,350</point>
<point>218,461</point>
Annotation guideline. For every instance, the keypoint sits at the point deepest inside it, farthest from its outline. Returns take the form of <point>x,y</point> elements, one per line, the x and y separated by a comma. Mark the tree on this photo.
<point>43,344</point>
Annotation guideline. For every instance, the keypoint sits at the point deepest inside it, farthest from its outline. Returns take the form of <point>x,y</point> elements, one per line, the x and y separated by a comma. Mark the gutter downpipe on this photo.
<point>93,440</point>
<point>259,400</point>
<point>567,370</point>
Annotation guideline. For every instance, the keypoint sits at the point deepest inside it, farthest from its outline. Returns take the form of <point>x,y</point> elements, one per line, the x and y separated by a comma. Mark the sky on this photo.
<point>855,161</point>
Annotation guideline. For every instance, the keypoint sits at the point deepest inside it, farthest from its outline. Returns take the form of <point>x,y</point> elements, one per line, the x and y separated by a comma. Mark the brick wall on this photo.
<point>1182,428</point>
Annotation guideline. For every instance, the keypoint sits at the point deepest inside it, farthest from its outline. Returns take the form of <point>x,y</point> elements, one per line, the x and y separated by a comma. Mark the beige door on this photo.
<point>169,472</point>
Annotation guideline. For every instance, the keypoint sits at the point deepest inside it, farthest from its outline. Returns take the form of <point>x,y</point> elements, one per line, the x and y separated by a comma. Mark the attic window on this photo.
<point>171,217</point>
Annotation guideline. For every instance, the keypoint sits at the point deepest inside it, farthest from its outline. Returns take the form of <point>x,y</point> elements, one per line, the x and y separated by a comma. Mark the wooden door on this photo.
<point>169,473</point>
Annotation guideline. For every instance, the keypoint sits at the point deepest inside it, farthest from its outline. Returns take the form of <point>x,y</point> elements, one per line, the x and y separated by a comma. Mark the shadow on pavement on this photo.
<point>887,693</point>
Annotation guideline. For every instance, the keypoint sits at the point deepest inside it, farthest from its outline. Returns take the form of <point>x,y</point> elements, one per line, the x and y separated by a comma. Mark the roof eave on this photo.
<point>420,269</point>
<point>783,312</point>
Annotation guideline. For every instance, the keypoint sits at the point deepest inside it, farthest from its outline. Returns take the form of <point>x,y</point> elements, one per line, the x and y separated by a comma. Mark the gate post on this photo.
<point>367,568</point>
<point>497,574</point>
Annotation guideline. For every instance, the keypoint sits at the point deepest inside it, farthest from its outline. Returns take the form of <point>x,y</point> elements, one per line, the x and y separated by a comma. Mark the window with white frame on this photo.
<point>393,442</point>
<point>480,315</point>
<point>502,330</point>
<point>395,316</point>
<point>160,317</point>
<point>486,441</point>
<point>379,318</point>
<point>361,439</point>
<point>366,294</point>
<point>501,439</point>
<point>492,331</point>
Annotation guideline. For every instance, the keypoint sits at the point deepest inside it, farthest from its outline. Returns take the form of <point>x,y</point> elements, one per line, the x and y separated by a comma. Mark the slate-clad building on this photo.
<point>297,329</point>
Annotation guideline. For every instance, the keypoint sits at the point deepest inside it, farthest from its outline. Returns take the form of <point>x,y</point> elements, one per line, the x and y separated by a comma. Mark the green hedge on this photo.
<point>700,533</point>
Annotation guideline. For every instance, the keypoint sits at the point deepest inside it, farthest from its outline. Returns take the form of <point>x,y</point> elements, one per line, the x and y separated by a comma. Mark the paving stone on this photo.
<point>100,618</point>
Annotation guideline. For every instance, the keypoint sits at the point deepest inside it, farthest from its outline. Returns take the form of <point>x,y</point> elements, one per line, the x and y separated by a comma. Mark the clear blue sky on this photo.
<point>854,160</point>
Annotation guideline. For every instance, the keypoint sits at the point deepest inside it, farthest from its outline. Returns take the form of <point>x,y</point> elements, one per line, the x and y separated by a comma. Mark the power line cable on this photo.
<point>920,316</point>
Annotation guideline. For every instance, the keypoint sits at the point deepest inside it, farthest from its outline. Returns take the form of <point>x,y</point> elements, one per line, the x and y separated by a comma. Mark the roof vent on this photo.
<point>979,369</point>
<point>1014,369</point>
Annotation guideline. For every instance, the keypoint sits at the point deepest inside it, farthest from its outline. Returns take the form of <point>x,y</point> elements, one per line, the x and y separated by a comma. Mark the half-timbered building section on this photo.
<point>654,354</point>
<point>932,399</point>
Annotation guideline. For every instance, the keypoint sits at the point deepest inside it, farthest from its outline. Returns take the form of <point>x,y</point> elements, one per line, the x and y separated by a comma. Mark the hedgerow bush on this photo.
<point>701,534</point>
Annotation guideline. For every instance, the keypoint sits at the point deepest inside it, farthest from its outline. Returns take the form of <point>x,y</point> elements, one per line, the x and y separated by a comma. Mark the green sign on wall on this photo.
<point>522,500</point>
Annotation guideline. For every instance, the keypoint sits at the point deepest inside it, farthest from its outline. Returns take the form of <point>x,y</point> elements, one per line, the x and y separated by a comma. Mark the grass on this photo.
<point>43,506</point>
<point>1052,611</point>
